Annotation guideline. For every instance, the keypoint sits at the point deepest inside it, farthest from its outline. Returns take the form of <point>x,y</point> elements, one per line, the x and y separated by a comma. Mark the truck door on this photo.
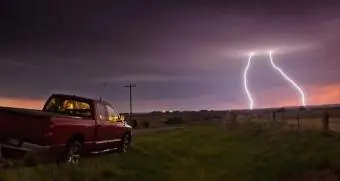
<point>102,128</point>
<point>117,128</point>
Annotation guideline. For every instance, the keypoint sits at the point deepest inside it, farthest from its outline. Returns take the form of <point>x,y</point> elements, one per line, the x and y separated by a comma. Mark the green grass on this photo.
<point>201,153</point>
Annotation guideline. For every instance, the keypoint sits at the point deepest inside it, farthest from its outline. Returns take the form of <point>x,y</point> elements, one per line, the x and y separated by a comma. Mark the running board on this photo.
<point>104,151</point>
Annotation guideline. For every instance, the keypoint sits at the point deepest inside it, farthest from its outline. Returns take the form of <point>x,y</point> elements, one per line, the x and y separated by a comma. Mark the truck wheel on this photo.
<point>73,153</point>
<point>124,143</point>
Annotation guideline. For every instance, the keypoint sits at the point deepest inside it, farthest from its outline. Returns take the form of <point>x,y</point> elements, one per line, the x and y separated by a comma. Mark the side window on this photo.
<point>113,115</point>
<point>82,105</point>
<point>83,109</point>
<point>52,105</point>
<point>102,112</point>
<point>69,104</point>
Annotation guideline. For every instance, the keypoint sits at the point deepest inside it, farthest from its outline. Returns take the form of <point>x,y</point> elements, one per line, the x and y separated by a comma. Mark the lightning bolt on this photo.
<point>284,75</point>
<point>245,82</point>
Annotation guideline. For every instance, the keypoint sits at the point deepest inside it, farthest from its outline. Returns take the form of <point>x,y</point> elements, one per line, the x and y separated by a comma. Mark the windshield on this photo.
<point>69,107</point>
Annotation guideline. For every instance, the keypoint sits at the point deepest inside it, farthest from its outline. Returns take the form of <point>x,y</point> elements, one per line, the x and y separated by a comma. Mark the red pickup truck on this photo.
<point>68,126</point>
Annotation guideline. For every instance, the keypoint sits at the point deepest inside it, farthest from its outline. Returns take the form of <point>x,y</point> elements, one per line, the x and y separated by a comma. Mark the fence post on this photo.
<point>325,121</point>
<point>225,119</point>
<point>233,119</point>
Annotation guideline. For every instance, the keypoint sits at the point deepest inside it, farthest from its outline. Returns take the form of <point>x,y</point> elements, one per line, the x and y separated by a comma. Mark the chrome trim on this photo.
<point>108,141</point>
<point>89,142</point>
<point>34,147</point>
<point>104,151</point>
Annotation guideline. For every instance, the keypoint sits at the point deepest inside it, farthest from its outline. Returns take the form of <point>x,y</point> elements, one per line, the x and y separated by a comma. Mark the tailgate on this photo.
<point>24,125</point>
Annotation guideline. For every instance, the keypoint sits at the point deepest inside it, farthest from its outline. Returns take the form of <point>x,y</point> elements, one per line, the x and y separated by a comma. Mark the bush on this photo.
<point>145,124</point>
<point>133,123</point>
<point>207,118</point>
<point>174,121</point>
<point>217,117</point>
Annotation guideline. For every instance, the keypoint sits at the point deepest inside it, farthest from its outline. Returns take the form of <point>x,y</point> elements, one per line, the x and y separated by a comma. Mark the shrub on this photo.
<point>174,120</point>
<point>145,124</point>
<point>217,117</point>
<point>133,123</point>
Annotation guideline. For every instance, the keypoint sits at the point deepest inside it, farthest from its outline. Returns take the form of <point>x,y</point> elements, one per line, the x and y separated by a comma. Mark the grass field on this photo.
<point>202,153</point>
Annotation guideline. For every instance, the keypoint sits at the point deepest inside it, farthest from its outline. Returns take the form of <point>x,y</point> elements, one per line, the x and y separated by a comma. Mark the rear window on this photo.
<point>69,107</point>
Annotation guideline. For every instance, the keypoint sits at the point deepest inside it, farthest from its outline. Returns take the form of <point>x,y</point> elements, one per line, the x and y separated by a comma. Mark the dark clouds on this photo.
<point>173,50</point>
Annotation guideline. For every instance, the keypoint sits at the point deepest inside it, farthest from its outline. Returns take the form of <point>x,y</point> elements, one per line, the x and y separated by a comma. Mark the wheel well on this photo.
<point>128,133</point>
<point>76,137</point>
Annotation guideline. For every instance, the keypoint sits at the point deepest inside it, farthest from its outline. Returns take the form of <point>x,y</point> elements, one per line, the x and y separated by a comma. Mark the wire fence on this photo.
<point>322,119</point>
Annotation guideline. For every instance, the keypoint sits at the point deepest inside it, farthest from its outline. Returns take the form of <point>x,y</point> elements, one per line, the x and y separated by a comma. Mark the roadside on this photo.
<point>137,132</point>
<point>153,130</point>
<point>205,153</point>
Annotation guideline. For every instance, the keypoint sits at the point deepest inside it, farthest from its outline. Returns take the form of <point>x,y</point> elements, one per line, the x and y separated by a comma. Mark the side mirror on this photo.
<point>121,118</point>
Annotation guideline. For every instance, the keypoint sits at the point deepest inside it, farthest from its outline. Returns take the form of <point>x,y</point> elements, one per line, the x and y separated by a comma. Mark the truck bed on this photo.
<point>26,125</point>
<point>24,111</point>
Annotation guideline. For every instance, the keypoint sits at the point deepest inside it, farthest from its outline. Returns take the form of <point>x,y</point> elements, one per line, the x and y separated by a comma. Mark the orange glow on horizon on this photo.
<point>22,103</point>
<point>316,95</point>
<point>276,97</point>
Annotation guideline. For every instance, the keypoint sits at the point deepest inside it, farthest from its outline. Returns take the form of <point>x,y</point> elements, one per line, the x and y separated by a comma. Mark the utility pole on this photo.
<point>130,88</point>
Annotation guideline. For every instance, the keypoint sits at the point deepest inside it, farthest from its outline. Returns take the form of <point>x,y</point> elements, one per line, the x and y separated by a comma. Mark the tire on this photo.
<point>124,143</point>
<point>73,151</point>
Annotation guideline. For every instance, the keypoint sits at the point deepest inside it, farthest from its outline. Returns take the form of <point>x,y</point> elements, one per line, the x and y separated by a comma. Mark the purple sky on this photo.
<point>184,55</point>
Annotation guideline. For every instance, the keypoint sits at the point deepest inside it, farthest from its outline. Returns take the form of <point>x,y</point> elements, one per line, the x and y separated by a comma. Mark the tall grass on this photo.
<point>248,152</point>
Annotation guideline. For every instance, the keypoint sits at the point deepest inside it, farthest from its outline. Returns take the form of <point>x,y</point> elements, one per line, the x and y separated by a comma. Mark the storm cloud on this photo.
<point>175,52</point>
